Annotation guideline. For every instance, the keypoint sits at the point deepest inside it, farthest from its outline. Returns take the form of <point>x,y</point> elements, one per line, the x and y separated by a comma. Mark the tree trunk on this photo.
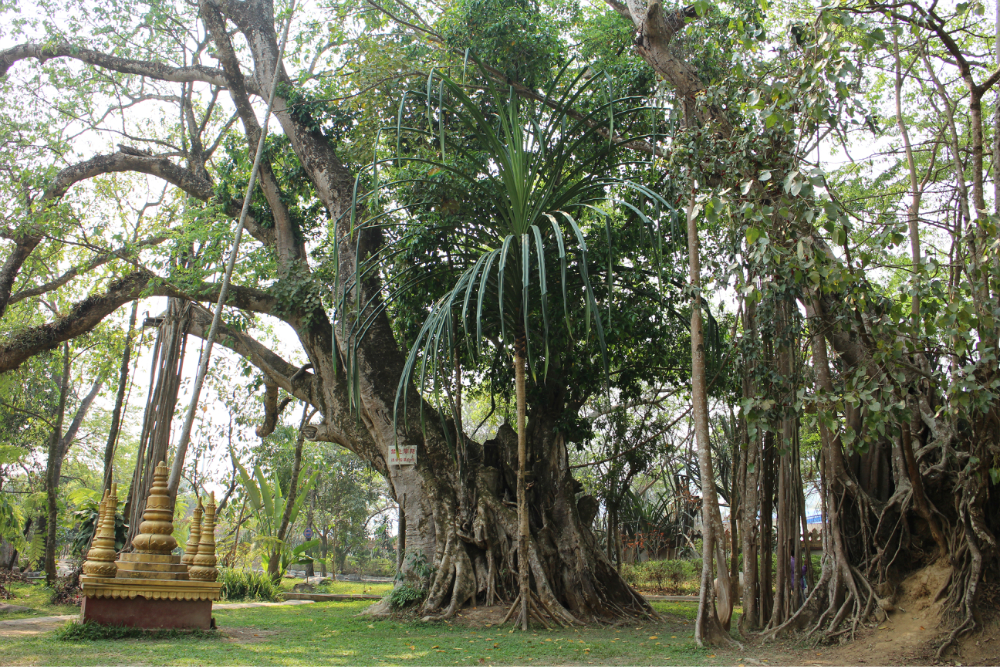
<point>59,444</point>
<point>116,414</point>
<point>274,561</point>
<point>52,470</point>
<point>524,585</point>
<point>709,628</point>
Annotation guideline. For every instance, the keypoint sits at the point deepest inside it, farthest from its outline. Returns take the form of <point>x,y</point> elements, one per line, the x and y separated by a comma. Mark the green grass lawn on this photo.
<point>343,587</point>
<point>333,633</point>
<point>35,596</point>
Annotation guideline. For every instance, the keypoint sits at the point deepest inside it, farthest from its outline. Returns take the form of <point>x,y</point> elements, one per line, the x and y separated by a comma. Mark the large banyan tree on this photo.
<point>900,390</point>
<point>179,88</point>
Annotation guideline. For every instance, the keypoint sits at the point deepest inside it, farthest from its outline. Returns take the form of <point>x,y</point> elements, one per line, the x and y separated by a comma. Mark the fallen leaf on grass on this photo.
<point>653,637</point>
<point>434,647</point>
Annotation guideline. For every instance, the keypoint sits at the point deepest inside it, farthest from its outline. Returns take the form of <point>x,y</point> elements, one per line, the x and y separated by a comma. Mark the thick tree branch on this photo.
<point>288,249</point>
<point>83,269</point>
<point>87,314</point>
<point>654,31</point>
<point>83,317</point>
<point>147,68</point>
<point>23,247</point>
<point>272,410</point>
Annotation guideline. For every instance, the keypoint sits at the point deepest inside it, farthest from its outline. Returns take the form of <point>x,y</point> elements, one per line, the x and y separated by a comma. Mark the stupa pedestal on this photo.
<point>150,587</point>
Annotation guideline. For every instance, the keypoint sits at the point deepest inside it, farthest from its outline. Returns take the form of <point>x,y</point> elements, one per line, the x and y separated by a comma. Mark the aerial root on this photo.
<point>510,612</point>
<point>537,610</point>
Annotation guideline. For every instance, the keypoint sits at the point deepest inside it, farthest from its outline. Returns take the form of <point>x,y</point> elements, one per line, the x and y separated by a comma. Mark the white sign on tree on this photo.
<point>403,456</point>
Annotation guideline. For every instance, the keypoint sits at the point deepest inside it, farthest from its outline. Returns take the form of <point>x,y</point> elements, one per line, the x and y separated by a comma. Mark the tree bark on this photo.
<point>708,629</point>
<point>274,561</point>
<point>524,585</point>
<point>59,444</point>
<point>52,469</point>
<point>116,414</point>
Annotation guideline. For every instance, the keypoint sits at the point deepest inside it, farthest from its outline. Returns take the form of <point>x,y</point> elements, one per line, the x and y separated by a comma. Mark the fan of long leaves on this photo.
<point>546,176</point>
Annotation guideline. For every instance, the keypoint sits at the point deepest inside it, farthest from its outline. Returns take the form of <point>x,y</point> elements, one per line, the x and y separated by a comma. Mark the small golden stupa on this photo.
<point>101,556</point>
<point>203,565</point>
<point>194,537</point>
<point>152,587</point>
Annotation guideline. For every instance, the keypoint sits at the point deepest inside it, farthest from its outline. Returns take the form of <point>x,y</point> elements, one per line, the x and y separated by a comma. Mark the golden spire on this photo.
<point>194,537</point>
<point>157,525</point>
<point>203,566</point>
<point>101,557</point>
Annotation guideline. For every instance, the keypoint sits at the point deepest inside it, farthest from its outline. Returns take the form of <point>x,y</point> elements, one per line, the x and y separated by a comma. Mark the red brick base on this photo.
<point>138,612</point>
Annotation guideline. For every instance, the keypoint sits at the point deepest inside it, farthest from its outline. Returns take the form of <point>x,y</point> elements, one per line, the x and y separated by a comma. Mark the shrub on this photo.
<point>93,632</point>
<point>671,575</point>
<point>246,584</point>
<point>66,590</point>
<point>404,594</point>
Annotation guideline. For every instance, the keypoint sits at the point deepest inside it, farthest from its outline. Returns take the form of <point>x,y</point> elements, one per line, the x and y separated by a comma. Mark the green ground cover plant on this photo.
<point>38,598</point>
<point>246,584</point>
<point>77,632</point>
<point>333,633</point>
<point>342,587</point>
<point>672,577</point>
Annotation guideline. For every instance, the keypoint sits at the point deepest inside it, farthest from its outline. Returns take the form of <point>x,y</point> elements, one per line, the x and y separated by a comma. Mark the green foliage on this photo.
<point>517,37</point>
<point>537,179</point>
<point>93,632</point>
<point>267,500</point>
<point>11,522</point>
<point>679,577</point>
<point>297,555</point>
<point>405,594</point>
<point>86,525</point>
<point>246,584</point>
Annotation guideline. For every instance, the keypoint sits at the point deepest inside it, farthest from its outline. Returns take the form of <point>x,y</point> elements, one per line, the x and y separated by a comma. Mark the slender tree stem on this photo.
<point>522,500</point>
<point>116,415</point>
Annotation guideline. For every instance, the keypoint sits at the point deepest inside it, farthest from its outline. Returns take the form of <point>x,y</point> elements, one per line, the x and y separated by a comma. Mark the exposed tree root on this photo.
<point>571,580</point>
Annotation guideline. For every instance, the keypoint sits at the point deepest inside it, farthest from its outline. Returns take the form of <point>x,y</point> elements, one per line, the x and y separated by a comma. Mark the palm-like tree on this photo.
<point>539,178</point>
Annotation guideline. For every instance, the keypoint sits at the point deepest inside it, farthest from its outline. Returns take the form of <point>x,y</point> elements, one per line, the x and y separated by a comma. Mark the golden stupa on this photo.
<point>194,536</point>
<point>101,557</point>
<point>151,571</point>
<point>202,566</point>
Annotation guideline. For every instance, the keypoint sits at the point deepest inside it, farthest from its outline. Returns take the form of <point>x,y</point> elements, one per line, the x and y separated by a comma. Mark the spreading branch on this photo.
<point>147,68</point>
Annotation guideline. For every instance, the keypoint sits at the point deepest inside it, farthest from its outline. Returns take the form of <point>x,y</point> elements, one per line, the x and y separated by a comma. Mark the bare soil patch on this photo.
<point>914,629</point>
<point>246,635</point>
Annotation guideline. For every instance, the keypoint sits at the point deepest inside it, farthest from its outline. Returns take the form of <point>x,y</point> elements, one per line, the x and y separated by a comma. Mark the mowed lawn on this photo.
<point>332,633</point>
